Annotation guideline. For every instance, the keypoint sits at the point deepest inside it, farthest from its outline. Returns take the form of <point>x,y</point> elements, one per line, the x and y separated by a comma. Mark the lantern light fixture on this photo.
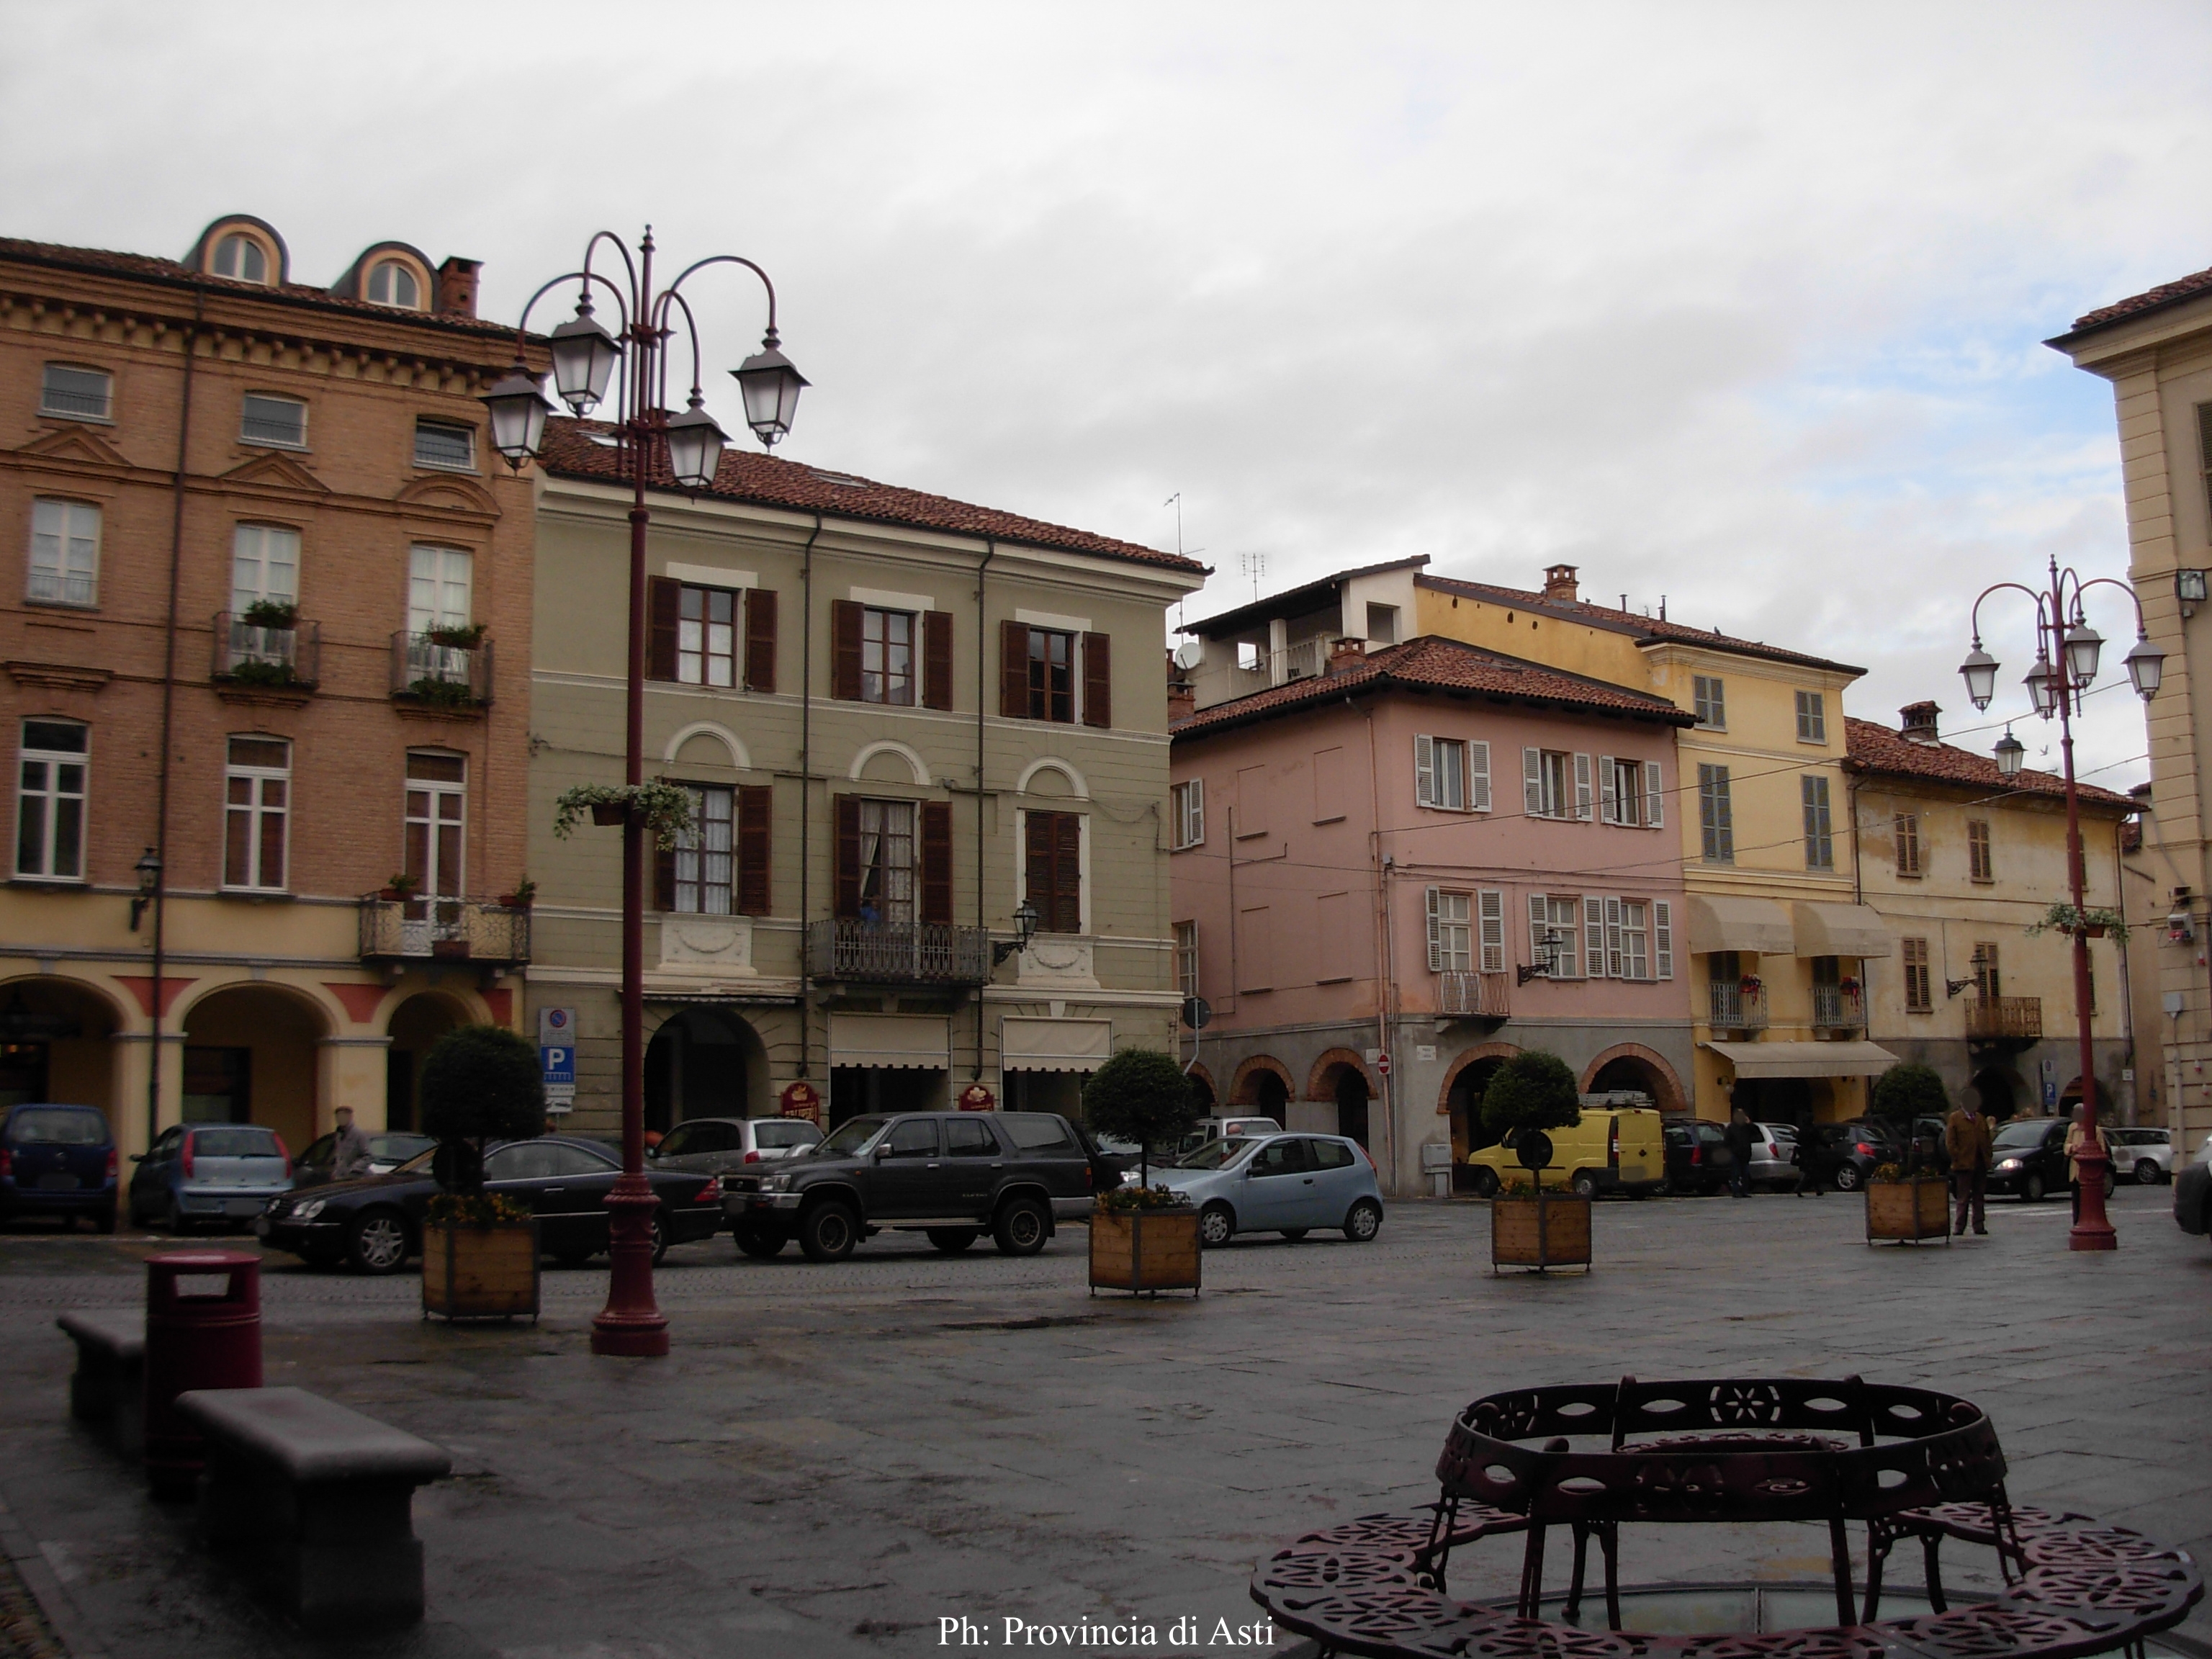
<point>2042,683</point>
<point>694,447</point>
<point>2146,665</point>
<point>584,358</point>
<point>1980,670</point>
<point>517,410</point>
<point>771,388</point>
<point>2083,646</point>
<point>2010,752</point>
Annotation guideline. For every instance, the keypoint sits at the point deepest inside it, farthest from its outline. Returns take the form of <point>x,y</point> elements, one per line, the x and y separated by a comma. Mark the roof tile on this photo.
<point>1878,750</point>
<point>2165,293</point>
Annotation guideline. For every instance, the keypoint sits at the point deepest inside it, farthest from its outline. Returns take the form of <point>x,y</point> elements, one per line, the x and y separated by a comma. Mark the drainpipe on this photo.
<point>1386,1001</point>
<point>990,552</point>
<point>2127,997</point>
<point>169,712</point>
<point>805,785</point>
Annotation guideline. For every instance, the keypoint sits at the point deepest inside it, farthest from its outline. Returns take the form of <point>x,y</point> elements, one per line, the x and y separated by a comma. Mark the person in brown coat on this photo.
<point>1967,1139</point>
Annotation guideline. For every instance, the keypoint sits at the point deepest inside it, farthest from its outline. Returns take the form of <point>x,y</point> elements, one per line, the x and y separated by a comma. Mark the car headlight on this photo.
<point>775,1183</point>
<point>2009,1163</point>
<point>310,1210</point>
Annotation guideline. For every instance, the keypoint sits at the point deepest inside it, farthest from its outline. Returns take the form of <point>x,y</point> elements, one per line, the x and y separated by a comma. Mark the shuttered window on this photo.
<point>1557,929</point>
<point>1979,865</point>
<point>1053,869</point>
<point>1490,929</point>
<point>1812,717</point>
<point>722,638</point>
<point>877,861</point>
<point>1628,792</point>
<point>1038,671</point>
<point>1189,808</point>
<point>1663,939</point>
<point>1711,702</point>
<point>1715,816</point>
<point>720,867</point>
<point>1919,987</point>
<point>1906,827</point>
<point>1451,931</point>
<point>1819,836</point>
<point>1557,786</point>
<point>1451,774</point>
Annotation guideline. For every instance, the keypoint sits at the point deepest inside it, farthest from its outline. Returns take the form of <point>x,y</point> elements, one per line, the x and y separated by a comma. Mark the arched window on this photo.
<point>239,255</point>
<point>391,283</point>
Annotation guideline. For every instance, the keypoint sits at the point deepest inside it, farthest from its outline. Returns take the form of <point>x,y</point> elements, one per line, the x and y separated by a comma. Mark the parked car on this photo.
<point>733,1148</point>
<point>58,1160</point>
<point>2192,1199</point>
<point>1607,1151</point>
<point>952,1176</point>
<point>1697,1154</point>
<point>1852,1151</point>
<point>1211,1129</point>
<point>386,1152</point>
<point>224,1173</point>
<point>2029,1157</point>
<point>1774,1155</point>
<point>2146,1154</point>
<point>1280,1183</point>
<point>376,1222</point>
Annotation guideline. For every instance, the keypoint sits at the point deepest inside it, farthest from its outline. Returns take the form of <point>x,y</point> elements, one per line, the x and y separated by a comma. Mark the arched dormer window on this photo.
<point>244,249</point>
<point>241,256</point>
<point>392,283</point>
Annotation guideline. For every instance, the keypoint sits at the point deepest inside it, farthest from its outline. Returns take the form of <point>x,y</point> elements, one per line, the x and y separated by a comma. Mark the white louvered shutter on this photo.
<point>1614,966</point>
<point>1662,938</point>
<point>1594,935</point>
<point>1478,777</point>
<point>1532,782</point>
<point>1608,791</point>
<point>1490,912</point>
<point>1655,795</point>
<point>1436,937</point>
<point>1583,788</point>
<point>1538,921</point>
<point>1425,776</point>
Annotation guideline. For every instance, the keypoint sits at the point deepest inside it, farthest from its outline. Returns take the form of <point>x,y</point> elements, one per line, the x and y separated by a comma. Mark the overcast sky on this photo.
<point>1742,304</point>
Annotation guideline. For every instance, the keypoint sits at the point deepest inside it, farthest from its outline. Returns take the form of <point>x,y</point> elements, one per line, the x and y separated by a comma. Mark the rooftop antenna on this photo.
<point>1663,607</point>
<point>1175,501</point>
<point>1255,566</point>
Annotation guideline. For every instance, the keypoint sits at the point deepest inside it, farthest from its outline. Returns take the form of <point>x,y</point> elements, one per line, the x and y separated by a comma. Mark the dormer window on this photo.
<point>391,283</point>
<point>240,256</point>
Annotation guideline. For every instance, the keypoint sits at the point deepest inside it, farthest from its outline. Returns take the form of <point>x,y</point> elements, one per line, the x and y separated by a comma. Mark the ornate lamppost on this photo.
<point>655,446</point>
<point>2066,652</point>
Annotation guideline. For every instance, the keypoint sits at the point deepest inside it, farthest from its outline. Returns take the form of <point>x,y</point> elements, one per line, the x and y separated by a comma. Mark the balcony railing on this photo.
<point>1469,995</point>
<point>1835,1009</point>
<point>2003,1019</point>
<point>249,654</point>
<point>1735,1008</point>
<point>890,953</point>
<point>443,930</point>
<point>441,676</point>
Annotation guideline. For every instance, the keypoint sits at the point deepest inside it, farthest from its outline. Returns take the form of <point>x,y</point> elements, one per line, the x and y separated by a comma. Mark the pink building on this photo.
<point>1437,855</point>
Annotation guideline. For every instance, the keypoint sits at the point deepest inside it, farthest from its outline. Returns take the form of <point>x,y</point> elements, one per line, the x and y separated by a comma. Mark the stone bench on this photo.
<point>317,1501</point>
<point>108,1388</point>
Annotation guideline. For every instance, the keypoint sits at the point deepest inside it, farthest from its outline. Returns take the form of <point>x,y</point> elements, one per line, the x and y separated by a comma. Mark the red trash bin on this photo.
<point>202,1331</point>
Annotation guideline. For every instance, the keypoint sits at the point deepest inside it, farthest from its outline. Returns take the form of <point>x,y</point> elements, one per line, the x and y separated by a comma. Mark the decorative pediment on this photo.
<point>275,472</point>
<point>75,443</point>
<point>448,495</point>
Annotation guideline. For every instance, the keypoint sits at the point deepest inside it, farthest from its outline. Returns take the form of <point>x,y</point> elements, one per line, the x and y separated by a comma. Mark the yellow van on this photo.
<point>1614,1149</point>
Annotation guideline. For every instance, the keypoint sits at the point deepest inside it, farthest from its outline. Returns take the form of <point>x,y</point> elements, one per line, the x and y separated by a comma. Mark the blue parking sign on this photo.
<point>559,1064</point>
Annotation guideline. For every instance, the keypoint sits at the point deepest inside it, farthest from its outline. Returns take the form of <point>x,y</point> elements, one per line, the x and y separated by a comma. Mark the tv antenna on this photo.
<point>1254,565</point>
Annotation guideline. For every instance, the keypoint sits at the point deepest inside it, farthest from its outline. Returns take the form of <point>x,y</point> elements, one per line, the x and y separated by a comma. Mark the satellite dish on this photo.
<point>1189,654</point>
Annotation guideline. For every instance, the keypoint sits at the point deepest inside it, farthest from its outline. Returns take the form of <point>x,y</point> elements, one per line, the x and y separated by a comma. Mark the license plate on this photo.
<point>57,1183</point>
<point>261,1225</point>
<point>243,1206</point>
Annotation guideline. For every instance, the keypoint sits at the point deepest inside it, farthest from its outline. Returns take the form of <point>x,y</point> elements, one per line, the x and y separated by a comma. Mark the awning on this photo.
<point>1719,921</point>
<point>1054,1045</point>
<point>1805,1059</point>
<point>1839,930</point>
<point>912,1041</point>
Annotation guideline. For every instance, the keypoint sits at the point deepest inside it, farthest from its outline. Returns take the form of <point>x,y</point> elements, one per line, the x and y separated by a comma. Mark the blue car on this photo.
<point>1280,1183</point>
<point>224,1173</point>
<point>59,1161</point>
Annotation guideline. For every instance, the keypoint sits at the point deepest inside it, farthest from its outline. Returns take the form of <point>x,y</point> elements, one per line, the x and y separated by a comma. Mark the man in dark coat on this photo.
<point>1741,1138</point>
<point>1966,1138</point>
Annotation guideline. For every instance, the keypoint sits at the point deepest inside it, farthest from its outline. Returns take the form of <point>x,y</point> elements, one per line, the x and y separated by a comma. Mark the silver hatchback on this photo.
<point>1281,1183</point>
<point>2146,1155</point>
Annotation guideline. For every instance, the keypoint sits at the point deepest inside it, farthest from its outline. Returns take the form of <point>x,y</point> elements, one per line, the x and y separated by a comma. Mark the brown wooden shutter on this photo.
<point>663,601</point>
<point>937,860</point>
<point>664,877</point>
<point>760,639</point>
<point>845,620</point>
<point>1014,669</point>
<point>937,659</point>
<point>1097,680</point>
<point>1067,871</point>
<point>848,855</point>
<point>755,804</point>
<point>1036,865</point>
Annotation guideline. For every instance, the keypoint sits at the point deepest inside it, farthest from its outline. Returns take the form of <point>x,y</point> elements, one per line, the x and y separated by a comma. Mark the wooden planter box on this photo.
<point>481,1273</point>
<point>1908,1211</point>
<point>1540,1232</point>
<point>1145,1250</point>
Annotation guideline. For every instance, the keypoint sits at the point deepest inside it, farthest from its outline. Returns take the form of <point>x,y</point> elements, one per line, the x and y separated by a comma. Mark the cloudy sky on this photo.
<point>1742,304</point>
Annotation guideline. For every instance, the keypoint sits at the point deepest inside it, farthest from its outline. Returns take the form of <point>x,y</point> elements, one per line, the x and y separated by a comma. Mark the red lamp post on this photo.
<point>683,450</point>
<point>2066,652</point>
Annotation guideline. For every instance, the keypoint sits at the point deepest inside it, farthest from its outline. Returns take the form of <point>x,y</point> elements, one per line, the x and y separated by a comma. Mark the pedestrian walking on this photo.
<point>1739,1137</point>
<point>2077,1136</point>
<point>1816,1167</point>
<point>349,1153</point>
<point>1966,1143</point>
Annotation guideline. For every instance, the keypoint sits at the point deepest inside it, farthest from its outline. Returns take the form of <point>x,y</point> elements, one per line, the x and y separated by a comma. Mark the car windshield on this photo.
<point>56,1125</point>
<point>233,1143</point>
<point>1215,1154</point>
<point>2022,1135</point>
<point>850,1137</point>
<point>393,1148</point>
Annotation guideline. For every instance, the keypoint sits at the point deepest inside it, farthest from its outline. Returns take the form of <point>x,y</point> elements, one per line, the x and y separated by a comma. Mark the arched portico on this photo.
<point>254,1054</point>
<point>1631,1065</point>
<point>1263,1082</point>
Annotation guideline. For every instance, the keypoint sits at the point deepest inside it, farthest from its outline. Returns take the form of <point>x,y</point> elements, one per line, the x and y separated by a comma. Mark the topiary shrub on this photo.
<point>1910,1091</point>
<point>480,1083</point>
<point>1535,1090</point>
<point>1142,1095</point>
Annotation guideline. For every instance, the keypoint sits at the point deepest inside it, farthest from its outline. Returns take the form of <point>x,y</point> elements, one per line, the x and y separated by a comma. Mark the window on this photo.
<point>1186,946</point>
<point>2205,448</point>
<point>1628,939</point>
<point>1819,839</point>
<point>1451,931</point>
<point>706,636</point>
<point>887,644</point>
<point>391,283</point>
<point>1919,988</point>
<point>1555,935</point>
<point>725,637</point>
<point>1382,624</point>
<point>258,804</point>
<point>1051,675</point>
<point>1712,702</point>
<point>887,863</point>
<point>1450,775</point>
<point>64,553</point>
<point>1630,791</point>
<point>438,584</point>
<point>240,256</point>
<point>1979,866</point>
<point>264,566</point>
<point>1053,870</point>
<point>447,445</point>
<point>437,815</point>
<point>50,800</point>
<point>1189,808</point>
<point>1986,982</point>
<point>79,394</point>
<point>1812,717</point>
<point>282,421</point>
<point>969,1137</point>
<point>1715,820</point>
<point>1907,827</point>
<point>706,856</point>
<point>1556,784</point>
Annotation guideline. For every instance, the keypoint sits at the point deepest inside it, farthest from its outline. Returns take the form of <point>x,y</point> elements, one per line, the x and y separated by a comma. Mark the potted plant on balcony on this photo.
<point>457,638</point>
<point>280,614</point>
<point>1905,1202</point>
<point>481,1084</point>
<point>1143,1237</point>
<point>667,809</point>
<point>399,889</point>
<point>1530,1227</point>
<point>525,894</point>
<point>450,943</point>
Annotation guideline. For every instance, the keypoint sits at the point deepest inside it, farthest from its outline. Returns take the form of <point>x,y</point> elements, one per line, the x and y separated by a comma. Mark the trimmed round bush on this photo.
<point>1535,1089</point>
<point>1142,1095</point>
<point>483,1083</point>
<point>1910,1091</point>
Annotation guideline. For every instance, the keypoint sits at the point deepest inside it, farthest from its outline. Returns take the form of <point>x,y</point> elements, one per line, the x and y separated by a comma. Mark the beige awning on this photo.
<point>911,1042</point>
<point>1839,930</point>
<point>1054,1045</point>
<point>1805,1059</point>
<point>1720,921</point>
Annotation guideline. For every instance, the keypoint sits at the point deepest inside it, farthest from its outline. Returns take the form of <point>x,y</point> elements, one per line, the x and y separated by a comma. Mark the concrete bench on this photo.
<point>316,1500</point>
<point>108,1388</point>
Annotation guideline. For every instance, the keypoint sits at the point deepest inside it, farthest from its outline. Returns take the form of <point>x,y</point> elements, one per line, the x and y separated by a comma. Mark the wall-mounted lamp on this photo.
<point>1025,921</point>
<point>149,876</point>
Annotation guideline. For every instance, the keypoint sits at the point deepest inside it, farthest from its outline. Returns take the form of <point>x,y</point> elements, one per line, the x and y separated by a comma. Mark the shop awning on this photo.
<point>1805,1059</point>
<point>1720,921</point>
<point>1839,930</point>
<point>912,1041</point>
<point>1054,1045</point>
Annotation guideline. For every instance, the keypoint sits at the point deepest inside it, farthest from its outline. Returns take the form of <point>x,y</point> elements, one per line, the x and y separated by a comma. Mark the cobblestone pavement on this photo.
<point>835,1458</point>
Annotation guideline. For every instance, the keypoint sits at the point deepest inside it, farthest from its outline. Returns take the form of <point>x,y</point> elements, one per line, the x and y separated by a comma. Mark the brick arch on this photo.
<point>1240,1093</point>
<point>1321,1082</point>
<point>1197,1072</point>
<point>1669,1091</point>
<point>1467,1058</point>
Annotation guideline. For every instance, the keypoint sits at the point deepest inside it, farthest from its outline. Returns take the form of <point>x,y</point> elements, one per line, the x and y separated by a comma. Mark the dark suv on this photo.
<point>950,1175</point>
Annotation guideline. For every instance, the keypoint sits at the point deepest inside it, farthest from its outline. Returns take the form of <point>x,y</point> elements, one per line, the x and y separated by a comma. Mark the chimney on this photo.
<point>1346,653</point>
<point>1918,722</point>
<point>457,287</point>
<point>1560,582</point>
<point>1183,701</point>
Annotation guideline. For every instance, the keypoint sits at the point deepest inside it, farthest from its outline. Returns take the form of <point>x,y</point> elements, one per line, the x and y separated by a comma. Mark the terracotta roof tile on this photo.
<point>764,480</point>
<point>2165,293</point>
<point>1433,664</point>
<point>1880,751</point>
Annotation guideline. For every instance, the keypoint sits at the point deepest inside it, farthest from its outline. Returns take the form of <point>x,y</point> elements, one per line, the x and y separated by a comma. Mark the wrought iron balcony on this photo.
<point>436,675</point>
<point>250,655</point>
<point>1836,1009</point>
<point>443,930</point>
<point>889,953</point>
<point>1738,1007</point>
<point>1463,994</point>
<point>2004,1019</point>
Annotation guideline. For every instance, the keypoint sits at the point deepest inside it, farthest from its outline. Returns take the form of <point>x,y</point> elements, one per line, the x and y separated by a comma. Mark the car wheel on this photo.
<point>378,1243</point>
<point>1294,1234</point>
<point>1365,1221</point>
<point>173,1218</point>
<point>1584,1184</point>
<point>2030,1191</point>
<point>953,1240</point>
<point>1847,1178</point>
<point>1484,1182</point>
<point>1217,1226</point>
<point>2110,1184</point>
<point>1022,1228</point>
<point>659,1235</point>
<point>759,1245</point>
<point>828,1231</point>
<point>1665,1186</point>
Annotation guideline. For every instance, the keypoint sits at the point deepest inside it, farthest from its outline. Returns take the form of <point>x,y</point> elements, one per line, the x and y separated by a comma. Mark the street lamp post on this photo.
<point>2066,654</point>
<point>655,446</point>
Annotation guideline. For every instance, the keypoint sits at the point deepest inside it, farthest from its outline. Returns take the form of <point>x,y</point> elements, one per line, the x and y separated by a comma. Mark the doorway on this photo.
<point>1351,1104</point>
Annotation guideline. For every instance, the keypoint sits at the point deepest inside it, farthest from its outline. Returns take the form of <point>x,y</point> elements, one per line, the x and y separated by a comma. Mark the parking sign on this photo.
<point>558,1063</point>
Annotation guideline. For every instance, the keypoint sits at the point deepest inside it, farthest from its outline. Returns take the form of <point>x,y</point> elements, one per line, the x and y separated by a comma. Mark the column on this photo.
<point>349,1071</point>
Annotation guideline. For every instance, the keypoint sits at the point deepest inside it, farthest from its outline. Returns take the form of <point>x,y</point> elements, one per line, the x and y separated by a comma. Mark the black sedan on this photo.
<point>2193,1200</point>
<point>2029,1158</point>
<point>375,1223</point>
<point>1848,1154</point>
